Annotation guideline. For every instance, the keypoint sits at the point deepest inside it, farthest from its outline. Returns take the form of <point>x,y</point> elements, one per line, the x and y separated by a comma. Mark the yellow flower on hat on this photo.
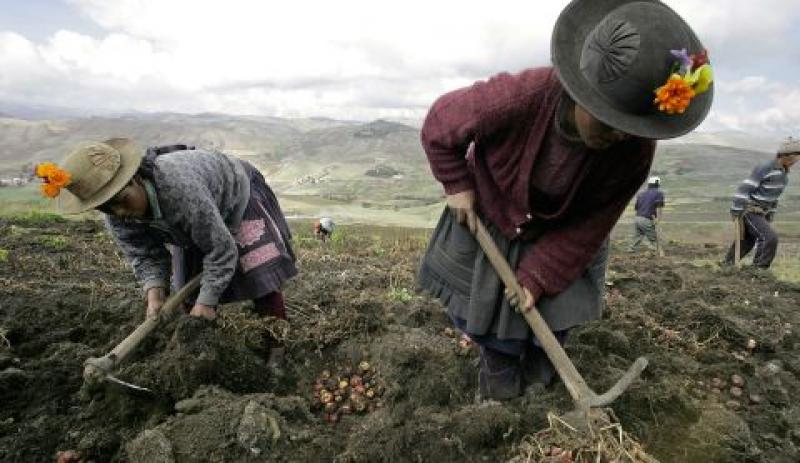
<point>701,78</point>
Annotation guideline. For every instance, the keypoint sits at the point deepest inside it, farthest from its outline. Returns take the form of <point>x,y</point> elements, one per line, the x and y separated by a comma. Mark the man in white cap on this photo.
<point>323,228</point>
<point>755,202</point>
<point>649,203</point>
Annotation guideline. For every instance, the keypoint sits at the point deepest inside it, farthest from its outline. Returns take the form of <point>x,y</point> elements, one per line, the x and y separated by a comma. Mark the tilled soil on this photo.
<point>66,295</point>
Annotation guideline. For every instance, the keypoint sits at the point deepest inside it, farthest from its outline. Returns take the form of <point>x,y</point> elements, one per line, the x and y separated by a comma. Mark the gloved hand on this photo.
<point>462,205</point>
<point>514,300</point>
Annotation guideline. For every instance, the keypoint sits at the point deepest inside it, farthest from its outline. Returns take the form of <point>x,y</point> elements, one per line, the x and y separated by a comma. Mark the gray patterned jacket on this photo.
<point>200,197</point>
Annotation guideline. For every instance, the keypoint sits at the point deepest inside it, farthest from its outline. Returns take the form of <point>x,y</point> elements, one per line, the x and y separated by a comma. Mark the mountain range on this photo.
<point>373,169</point>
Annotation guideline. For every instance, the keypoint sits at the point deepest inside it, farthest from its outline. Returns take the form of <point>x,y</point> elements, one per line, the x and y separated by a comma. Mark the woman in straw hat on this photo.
<point>549,158</point>
<point>215,212</point>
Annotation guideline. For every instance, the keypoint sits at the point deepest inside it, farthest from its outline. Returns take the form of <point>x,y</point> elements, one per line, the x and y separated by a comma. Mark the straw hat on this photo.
<point>98,171</point>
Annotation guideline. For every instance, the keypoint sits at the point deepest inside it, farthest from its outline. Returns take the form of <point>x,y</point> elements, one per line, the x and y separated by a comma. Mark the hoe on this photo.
<point>96,370</point>
<point>585,399</point>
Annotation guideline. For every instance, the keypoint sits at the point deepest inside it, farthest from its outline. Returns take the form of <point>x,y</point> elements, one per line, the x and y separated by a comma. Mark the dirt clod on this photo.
<point>733,404</point>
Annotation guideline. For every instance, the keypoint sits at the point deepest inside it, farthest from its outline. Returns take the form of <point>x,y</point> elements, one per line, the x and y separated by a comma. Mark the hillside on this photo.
<point>324,166</point>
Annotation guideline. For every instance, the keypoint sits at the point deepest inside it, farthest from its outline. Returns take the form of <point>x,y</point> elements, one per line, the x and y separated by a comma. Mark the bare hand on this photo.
<point>520,306</point>
<point>463,207</point>
<point>155,299</point>
<point>204,311</point>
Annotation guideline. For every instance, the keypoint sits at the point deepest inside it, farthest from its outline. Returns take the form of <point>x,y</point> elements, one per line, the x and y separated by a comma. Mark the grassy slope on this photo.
<point>317,167</point>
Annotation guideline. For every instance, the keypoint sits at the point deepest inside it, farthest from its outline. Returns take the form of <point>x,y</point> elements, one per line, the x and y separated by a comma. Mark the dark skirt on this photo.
<point>266,259</point>
<point>456,271</point>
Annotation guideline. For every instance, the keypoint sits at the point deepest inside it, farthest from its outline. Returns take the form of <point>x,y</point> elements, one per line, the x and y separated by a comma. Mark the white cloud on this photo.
<point>756,104</point>
<point>355,59</point>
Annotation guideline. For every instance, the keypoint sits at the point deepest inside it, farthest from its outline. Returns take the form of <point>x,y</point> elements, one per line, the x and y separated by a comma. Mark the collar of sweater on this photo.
<point>152,199</point>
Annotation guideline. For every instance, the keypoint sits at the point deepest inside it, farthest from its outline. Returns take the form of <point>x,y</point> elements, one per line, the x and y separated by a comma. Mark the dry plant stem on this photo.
<point>604,443</point>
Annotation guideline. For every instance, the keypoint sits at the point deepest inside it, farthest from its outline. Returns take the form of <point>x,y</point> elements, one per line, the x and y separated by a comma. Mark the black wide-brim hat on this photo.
<point>611,56</point>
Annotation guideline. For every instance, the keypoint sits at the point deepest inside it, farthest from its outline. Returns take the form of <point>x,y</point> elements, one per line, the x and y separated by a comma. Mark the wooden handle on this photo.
<point>575,384</point>
<point>737,240</point>
<point>124,348</point>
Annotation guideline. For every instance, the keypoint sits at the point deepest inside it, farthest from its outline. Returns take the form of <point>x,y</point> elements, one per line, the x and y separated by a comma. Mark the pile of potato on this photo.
<point>347,392</point>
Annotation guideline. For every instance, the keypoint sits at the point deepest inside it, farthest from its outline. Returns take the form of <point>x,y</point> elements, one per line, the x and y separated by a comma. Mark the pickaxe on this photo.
<point>585,399</point>
<point>97,370</point>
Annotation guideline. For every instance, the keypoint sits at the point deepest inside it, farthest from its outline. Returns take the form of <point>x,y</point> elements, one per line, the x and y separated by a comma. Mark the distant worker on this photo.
<point>323,228</point>
<point>648,212</point>
<point>755,202</point>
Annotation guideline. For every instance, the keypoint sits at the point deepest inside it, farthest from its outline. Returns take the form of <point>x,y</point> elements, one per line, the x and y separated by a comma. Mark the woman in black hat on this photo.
<point>550,157</point>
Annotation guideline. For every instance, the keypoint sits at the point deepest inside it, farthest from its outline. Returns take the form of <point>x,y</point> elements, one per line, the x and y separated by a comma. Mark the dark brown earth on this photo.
<point>66,295</point>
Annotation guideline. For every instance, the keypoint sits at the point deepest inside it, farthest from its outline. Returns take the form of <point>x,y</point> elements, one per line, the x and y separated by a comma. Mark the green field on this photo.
<point>24,199</point>
<point>687,218</point>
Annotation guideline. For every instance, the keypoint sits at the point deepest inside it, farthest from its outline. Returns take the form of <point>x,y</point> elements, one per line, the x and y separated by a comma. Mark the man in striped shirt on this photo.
<point>756,200</point>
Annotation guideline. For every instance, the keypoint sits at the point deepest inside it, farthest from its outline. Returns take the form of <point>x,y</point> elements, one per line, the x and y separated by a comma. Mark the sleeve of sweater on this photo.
<point>748,185</point>
<point>147,255</point>
<point>457,117</point>
<point>210,234</point>
<point>560,255</point>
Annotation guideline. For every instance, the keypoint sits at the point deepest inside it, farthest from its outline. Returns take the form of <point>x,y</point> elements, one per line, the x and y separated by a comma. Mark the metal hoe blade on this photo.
<point>126,384</point>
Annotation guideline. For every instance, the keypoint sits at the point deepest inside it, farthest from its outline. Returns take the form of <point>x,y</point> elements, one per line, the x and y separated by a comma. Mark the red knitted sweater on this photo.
<point>526,174</point>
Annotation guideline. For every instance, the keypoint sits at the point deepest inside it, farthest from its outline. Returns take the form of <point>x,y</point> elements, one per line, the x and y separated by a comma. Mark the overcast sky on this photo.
<point>351,59</point>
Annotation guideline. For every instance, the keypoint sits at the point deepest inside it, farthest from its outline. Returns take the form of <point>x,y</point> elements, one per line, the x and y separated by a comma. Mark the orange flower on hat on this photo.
<point>674,96</point>
<point>59,177</point>
<point>44,169</point>
<point>692,76</point>
<point>54,178</point>
<point>50,190</point>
